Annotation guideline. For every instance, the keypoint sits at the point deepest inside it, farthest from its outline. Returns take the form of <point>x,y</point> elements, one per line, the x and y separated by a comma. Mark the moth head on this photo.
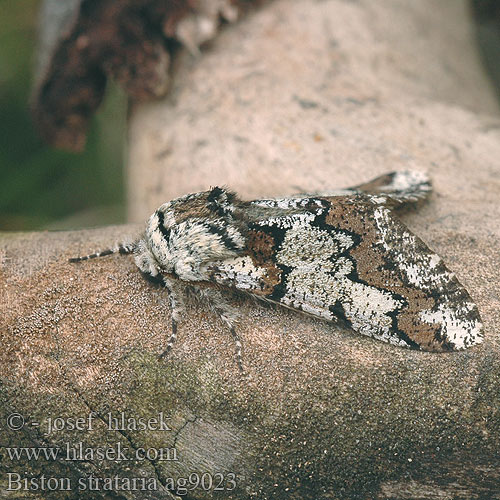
<point>145,259</point>
<point>183,235</point>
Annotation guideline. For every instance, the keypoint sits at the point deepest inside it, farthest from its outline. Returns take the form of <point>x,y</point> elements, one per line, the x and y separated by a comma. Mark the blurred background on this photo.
<point>43,188</point>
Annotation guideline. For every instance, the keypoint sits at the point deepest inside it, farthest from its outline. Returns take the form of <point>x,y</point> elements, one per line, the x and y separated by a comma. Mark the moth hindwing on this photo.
<point>338,256</point>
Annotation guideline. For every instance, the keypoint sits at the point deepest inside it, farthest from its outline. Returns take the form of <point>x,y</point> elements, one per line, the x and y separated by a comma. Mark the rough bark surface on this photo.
<point>321,413</point>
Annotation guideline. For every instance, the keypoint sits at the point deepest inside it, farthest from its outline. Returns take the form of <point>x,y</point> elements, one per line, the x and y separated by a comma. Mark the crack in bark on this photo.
<point>34,435</point>
<point>159,476</point>
<point>185,424</point>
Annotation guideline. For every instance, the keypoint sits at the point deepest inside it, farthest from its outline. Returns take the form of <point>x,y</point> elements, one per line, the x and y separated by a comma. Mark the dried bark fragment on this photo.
<point>88,41</point>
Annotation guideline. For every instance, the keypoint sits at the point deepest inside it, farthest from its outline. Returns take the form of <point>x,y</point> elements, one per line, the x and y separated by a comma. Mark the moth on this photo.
<point>341,256</point>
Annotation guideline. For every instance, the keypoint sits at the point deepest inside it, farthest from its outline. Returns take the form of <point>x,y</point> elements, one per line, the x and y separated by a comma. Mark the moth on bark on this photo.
<point>341,256</point>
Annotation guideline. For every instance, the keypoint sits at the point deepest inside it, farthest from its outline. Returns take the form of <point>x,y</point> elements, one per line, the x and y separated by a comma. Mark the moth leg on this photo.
<point>237,343</point>
<point>175,297</point>
<point>219,304</point>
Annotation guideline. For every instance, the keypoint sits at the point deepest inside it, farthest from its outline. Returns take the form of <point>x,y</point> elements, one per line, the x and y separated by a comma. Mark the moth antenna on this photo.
<point>122,248</point>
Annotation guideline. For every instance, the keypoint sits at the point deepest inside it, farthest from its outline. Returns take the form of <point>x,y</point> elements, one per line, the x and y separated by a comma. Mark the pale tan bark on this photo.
<point>301,96</point>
